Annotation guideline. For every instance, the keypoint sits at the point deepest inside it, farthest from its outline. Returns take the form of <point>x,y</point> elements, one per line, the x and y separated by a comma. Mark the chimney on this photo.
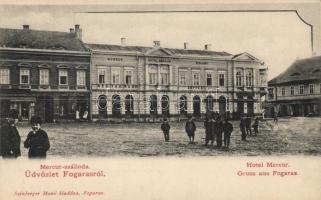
<point>123,41</point>
<point>185,45</point>
<point>156,43</point>
<point>25,27</point>
<point>208,47</point>
<point>78,32</point>
<point>72,30</point>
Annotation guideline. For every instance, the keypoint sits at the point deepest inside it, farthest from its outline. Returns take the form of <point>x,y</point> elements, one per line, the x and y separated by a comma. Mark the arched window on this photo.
<point>102,105</point>
<point>153,104</point>
<point>183,105</point>
<point>238,79</point>
<point>129,105</point>
<point>116,109</point>
<point>165,105</point>
<point>196,106</point>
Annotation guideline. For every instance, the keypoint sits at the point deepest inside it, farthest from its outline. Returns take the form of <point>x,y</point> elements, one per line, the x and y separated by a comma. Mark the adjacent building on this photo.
<point>133,82</point>
<point>43,72</point>
<point>297,91</point>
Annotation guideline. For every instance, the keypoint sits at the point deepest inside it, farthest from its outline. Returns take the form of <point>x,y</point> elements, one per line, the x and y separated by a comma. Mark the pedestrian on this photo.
<point>219,132</point>
<point>227,129</point>
<point>190,129</point>
<point>248,125</point>
<point>256,126</point>
<point>209,130</point>
<point>242,128</point>
<point>165,128</point>
<point>9,139</point>
<point>37,140</point>
<point>77,115</point>
<point>85,116</point>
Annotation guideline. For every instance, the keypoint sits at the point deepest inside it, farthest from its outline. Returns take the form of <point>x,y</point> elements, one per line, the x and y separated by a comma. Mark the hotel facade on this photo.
<point>148,83</point>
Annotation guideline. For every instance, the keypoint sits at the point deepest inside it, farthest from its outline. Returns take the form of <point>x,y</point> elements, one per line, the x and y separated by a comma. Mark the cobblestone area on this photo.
<point>290,136</point>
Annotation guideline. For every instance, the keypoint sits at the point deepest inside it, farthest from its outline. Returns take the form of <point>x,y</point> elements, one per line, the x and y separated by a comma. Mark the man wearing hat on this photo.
<point>165,128</point>
<point>37,140</point>
<point>9,139</point>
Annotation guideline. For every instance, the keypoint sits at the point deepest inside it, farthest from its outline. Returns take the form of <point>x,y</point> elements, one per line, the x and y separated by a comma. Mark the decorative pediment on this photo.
<point>246,57</point>
<point>158,52</point>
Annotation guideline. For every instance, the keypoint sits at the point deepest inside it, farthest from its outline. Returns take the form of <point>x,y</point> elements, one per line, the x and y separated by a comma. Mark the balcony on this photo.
<point>44,87</point>
<point>114,86</point>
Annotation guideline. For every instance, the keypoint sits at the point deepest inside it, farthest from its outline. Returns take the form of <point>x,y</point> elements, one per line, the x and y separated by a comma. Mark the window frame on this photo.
<point>83,79</point>
<point>60,75</point>
<point>25,70</point>
<point>6,74</point>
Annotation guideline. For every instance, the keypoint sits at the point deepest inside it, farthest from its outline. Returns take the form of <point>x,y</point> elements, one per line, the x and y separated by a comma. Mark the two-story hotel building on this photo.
<point>151,82</point>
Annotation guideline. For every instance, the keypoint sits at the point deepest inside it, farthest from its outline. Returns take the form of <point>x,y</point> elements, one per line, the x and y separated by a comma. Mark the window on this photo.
<point>292,91</point>
<point>283,91</point>
<point>249,79</point>
<point>301,89</point>
<point>115,76</point>
<point>81,77</point>
<point>196,79</point>
<point>221,80</point>
<point>164,75</point>
<point>128,77</point>
<point>4,76</point>
<point>152,75</point>
<point>63,77</point>
<point>44,77</point>
<point>311,87</point>
<point>271,93</point>
<point>101,76</point>
<point>24,76</point>
<point>209,79</point>
<point>238,79</point>
<point>182,78</point>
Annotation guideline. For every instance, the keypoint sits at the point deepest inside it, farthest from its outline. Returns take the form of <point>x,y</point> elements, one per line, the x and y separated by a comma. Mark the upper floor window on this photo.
<point>182,78</point>
<point>4,76</point>
<point>164,75</point>
<point>196,79</point>
<point>101,76</point>
<point>63,77</point>
<point>115,76</point>
<point>271,93</point>
<point>292,90</point>
<point>209,79</point>
<point>311,87</point>
<point>81,77</point>
<point>44,77</point>
<point>152,75</point>
<point>24,76</point>
<point>238,79</point>
<point>283,91</point>
<point>128,77</point>
<point>249,79</point>
<point>221,80</point>
<point>301,89</point>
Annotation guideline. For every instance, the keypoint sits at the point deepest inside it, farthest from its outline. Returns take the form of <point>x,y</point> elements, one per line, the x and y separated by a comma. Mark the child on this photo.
<point>190,129</point>
<point>165,128</point>
<point>37,140</point>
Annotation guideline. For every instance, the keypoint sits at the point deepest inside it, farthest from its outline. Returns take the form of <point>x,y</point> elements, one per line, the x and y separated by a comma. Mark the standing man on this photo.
<point>219,132</point>
<point>190,129</point>
<point>9,139</point>
<point>209,130</point>
<point>165,128</point>
<point>37,140</point>
<point>227,129</point>
<point>248,125</point>
<point>242,128</point>
<point>256,126</point>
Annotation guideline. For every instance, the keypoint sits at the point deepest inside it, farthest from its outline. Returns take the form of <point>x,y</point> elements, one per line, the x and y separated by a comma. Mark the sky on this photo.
<point>276,38</point>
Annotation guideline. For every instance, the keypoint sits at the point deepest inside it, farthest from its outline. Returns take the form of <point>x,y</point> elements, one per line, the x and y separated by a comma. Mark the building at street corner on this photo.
<point>297,91</point>
<point>147,83</point>
<point>44,73</point>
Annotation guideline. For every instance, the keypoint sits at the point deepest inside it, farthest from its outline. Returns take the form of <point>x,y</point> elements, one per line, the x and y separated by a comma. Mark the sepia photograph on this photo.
<point>168,81</point>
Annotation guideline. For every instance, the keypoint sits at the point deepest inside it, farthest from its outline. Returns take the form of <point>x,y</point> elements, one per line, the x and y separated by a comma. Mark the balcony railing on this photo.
<point>114,86</point>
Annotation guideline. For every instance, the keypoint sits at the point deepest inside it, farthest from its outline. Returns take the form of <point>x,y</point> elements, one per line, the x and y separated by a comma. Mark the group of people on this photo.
<point>216,130</point>
<point>37,140</point>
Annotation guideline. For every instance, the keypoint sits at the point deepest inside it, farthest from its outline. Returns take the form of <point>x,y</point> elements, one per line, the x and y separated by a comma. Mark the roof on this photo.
<point>141,49</point>
<point>36,39</point>
<point>300,70</point>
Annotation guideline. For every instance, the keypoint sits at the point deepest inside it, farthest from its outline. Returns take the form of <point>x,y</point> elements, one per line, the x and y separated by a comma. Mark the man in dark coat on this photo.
<point>209,131</point>
<point>248,125</point>
<point>256,126</point>
<point>227,129</point>
<point>37,140</point>
<point>165,128</point>
<point>9,139</point>
<point>242,128</point>
<point>190,129</point>
<point>219,132</point>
